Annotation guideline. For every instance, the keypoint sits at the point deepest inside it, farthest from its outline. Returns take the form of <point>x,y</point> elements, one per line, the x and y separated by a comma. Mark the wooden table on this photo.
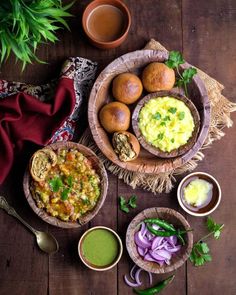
<point>205,31</point>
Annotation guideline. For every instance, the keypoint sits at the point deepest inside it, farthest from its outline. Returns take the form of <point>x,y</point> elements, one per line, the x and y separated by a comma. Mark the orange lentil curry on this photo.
<point>71,187</point>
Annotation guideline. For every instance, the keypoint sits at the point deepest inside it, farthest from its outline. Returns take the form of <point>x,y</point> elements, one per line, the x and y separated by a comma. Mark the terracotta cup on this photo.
<point>127,23</point>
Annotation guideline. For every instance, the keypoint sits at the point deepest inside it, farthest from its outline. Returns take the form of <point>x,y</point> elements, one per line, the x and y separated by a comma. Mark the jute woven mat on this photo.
<point>221,108</point>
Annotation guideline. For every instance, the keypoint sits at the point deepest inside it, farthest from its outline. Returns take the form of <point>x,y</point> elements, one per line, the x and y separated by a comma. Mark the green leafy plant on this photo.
<point>201,252</point>
<point>124,205</point>
<point>24,24</point>
<point>174,61</point>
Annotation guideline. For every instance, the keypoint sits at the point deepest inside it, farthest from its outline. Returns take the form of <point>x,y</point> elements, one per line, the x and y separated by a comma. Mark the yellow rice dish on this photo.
<point>166,123</point>
<point>70,188</point>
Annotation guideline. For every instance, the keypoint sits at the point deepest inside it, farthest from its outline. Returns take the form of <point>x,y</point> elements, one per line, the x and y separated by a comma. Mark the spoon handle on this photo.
<point>11,211</point>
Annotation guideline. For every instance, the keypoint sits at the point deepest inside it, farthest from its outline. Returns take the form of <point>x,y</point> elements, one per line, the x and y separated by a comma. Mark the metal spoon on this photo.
<point>45,241</point>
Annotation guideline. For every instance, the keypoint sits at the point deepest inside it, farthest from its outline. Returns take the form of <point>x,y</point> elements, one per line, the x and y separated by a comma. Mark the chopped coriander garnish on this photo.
<point>132,201</point>
<point>157,116</point>
<point>172,140</point>
<point>163,123</point>
<point>181,115</point>
<point>214,227</point>
<point>167,118</point>
<point>70,180</point>
<point>64,193</point>
<point>160,136</point>
<point>172,110</point>
<point>123,205</point>
<point>55,184</point>
<point>175,59</point>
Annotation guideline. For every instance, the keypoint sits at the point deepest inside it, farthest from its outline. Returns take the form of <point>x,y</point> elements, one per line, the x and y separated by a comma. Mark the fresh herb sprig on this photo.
<point>201,252</point>
<point>125,205</point>
<point>25,24</point>
<point>57,185</point>
<point>174,61</point>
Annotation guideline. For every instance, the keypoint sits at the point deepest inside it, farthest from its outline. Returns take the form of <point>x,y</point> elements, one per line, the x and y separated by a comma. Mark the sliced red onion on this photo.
<point>141,241</point>
<point>173,249</point>
<point>161,246</point>
<point>149,236</point>
<point>143,229</point>
<point>150,277</point>
<point>167,261</point>
<point>156,242</point>
<point>172,240</point>
<point>137,276</point>
<point>163,253</point>
<point>141,251</point>
<point>148,257</point>
<point>129,283</point>
<point>132,272</point>
<point>156,256</point>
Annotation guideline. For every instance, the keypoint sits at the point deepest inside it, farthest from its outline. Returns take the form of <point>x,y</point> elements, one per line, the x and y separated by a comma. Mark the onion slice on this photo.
<point>129,283</point>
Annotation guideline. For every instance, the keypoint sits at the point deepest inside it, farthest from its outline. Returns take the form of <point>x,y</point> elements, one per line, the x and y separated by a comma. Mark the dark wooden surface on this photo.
<point>206,32</point>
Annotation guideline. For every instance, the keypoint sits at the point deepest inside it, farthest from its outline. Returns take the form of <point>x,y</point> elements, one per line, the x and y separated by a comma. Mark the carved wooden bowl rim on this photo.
<point>97,165</point>
<point>154,150</point>
<point>168,215</point>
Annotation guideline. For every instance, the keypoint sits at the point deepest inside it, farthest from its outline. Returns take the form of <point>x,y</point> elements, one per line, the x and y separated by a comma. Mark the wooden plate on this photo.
<point>154,150</point>
<point>96,164</point>
<point>170,216</point>
<point>101,94</point>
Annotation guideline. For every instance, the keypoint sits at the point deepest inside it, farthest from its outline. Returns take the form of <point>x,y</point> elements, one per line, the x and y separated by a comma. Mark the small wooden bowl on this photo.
<point>170,216</point>
<point>97,165</point>
<point>154,150</point>
<point>127,23</point>
<point>94,267</point>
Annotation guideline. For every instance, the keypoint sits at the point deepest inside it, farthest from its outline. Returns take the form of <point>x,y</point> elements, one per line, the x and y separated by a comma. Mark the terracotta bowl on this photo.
<point>127,23</point>
<point>97,165</point>
<point>154,150</point>
<point>170,216</point>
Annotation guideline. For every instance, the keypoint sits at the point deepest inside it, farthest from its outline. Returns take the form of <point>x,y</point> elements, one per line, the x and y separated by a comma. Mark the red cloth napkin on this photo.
<point>25,118</point>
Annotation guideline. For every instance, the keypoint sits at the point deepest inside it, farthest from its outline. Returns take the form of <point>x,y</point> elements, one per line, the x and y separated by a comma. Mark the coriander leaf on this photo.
<point>179,82</point>
<point>157,116</point>
<point>160,136</point>
<point>200,254</point>
<point>188,74</point>
<point>172,140</point>
<point>55,184</point>
<point>132,201</point>
<point>163,123</point>
<point>64,194</point>
<point>181,115</point>
<point>70,181</point>
<point>214,227</point>
<point>175,59</point>
<point>204,247</point>
<point>123,205</point>
<point>167,118</point>
<point>172,110</point>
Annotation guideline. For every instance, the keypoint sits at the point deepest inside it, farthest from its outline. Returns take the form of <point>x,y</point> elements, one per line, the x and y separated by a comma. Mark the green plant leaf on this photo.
<point>188,74</point>
<point>172,110</point>
<point>175,59</point>
<point>214,227</point>
<point>55,184</point>
<point>181,115</point>
<point>123,205</point>
<point>132,201</point>
<point>64,194</point>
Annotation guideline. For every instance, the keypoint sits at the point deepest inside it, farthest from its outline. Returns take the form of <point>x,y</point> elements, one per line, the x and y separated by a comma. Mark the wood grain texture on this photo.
<point>207,30</point>
<point>100,170</point>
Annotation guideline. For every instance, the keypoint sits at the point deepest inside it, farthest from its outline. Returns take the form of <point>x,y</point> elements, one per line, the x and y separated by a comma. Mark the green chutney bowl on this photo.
<point>100,248</point>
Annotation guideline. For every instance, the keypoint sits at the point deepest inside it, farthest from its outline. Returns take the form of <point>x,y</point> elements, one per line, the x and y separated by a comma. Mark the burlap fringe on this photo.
<point>221,108</point>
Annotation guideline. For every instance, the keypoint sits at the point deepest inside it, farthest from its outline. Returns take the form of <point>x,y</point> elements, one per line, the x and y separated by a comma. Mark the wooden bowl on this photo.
<point>97,165</point>
<point>127,23</point>
<point>134,62</point>
<point>154,150</point>
<point>170,216</point>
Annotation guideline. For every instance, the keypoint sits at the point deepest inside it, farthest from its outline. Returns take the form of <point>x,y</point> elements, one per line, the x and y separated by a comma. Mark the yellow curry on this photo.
<point>71,187</point>
<point>166,123</point>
